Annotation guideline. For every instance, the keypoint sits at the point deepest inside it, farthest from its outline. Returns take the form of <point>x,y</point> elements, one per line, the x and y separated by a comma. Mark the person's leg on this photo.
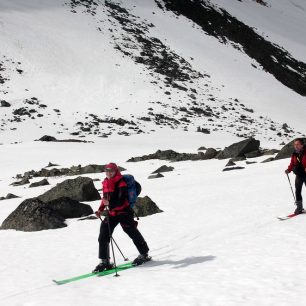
<point>104,239</point>
<point>298,194</point>
<point>130,227</point>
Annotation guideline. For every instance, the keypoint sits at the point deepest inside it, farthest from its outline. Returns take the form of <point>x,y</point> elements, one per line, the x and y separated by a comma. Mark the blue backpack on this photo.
<point>134,188</point>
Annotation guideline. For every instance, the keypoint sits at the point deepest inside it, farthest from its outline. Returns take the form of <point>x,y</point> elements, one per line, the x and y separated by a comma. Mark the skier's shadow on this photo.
<point>183,263</point>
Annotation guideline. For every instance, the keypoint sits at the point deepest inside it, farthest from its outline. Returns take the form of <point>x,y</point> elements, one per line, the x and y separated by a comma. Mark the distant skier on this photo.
<point>115,200</point>
<point>298,166</point>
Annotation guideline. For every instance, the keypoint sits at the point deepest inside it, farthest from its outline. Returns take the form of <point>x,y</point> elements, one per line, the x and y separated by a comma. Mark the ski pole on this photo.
<point>291,187</point>
<point>125,258</point>
<point>111,241</point>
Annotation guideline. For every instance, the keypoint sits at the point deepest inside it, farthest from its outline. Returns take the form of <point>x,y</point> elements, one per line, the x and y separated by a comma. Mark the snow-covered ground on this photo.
<point>218,241</point>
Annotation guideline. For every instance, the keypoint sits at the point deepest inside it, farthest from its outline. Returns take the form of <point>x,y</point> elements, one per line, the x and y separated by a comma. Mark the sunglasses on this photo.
<point>109,170</point>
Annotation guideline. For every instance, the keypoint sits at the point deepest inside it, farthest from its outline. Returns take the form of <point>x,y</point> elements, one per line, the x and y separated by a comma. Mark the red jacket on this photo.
<point>116,192</point>
<point>298,159</point>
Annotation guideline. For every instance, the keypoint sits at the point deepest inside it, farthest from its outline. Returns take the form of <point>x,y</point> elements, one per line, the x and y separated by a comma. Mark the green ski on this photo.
<point>106,272</point>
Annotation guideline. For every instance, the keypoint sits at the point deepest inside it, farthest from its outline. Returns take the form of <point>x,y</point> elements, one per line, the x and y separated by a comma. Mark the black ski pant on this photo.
<point>299,180</point>
<point>128,224</point>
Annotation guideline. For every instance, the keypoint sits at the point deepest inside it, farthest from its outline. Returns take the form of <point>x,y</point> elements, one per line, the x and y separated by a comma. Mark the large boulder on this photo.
<point>47,138</point>
<point>4,103</point>
<point>253,154</point>
<point>11,196</point>
<point>69,208</point>
<point>210,153</point>
<point>146,207</point>
<point>287,150</point>
<point>239,149</point>
<point>43,182</point>
<point>79,189</point>
<point>33,215</point>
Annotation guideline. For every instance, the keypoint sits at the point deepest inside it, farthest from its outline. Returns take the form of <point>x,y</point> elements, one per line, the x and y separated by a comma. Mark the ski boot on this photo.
<point>102,266</point>
<point>140,259</point>
<point>299,207</point>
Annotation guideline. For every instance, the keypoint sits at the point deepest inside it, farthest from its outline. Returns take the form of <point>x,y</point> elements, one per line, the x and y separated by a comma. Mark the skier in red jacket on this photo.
<point>115,201</point>
<point>298,166</point>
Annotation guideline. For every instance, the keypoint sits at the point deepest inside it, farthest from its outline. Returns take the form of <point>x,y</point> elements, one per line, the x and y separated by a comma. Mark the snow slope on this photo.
<point>71,63</point>
<point>216,243</point>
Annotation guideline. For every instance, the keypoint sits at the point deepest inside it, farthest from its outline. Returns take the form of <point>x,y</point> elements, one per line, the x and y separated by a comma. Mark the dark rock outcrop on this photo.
<point>146,207</point>
<point>8,197</point>
<point>33,215</point>
<point>163,168</point>
<point>24,181</point>
<point>79,189</point>
<point>4,103</point>
<point>43,182</point>
<point>175,156</point>
<point>11,196</point>
<point>74,170</point>
<point>210,153</point>
<point>253,154</point>
<point>202,148</point>
<point>53,139</point>
<point>270,152</point>
<point>233,168</point>
<point>154,176</point>
<point>230,164</point>
<point>239,149</point>
<point>47,138</point>
<point>159,154</point>
<point>69,208</point>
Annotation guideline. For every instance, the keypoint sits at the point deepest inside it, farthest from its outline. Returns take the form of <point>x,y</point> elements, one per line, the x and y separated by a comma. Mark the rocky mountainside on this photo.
<point>111,67</point>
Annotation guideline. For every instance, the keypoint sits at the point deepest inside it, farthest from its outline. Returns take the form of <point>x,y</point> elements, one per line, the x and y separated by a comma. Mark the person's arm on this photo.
<point>104,202</point>
<point>291,165</point>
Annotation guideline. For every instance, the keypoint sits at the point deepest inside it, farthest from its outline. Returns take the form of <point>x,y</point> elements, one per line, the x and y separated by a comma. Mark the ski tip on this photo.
<point>57,282</point>
<point>282,218</point>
